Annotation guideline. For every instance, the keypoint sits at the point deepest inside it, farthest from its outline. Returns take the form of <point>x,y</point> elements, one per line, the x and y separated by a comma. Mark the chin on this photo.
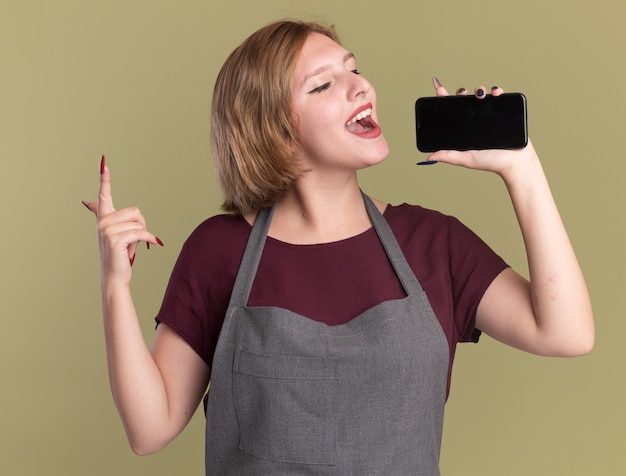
<point>372,161</point>
<point>382,152</point>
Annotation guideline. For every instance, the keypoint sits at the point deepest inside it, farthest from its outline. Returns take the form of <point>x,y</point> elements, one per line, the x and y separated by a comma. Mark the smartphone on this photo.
<point>469,123</point>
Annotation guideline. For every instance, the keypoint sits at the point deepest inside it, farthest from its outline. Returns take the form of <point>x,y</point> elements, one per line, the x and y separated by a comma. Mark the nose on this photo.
<point>359,86</point>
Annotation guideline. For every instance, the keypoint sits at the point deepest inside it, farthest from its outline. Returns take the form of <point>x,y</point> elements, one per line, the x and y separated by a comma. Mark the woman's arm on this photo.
<point>156,392</point>
<point>551,314</point>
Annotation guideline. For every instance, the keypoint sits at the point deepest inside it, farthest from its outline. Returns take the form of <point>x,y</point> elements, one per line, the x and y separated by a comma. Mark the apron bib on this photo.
<point>292,396</point>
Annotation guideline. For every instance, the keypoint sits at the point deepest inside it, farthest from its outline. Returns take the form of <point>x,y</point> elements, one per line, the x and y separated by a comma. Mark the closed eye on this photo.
<point>319,89</point>
<point>325,86</point>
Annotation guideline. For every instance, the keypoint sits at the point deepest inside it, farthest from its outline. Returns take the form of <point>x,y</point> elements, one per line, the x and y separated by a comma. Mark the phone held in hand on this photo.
<point>469,123</point>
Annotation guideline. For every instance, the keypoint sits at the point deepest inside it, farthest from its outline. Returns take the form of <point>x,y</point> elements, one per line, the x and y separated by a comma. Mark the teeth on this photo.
<point>359,116</point>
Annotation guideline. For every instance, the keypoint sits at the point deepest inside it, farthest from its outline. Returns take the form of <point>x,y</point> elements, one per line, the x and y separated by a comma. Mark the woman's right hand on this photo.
<point>156,391</point>
<point>119,232</point>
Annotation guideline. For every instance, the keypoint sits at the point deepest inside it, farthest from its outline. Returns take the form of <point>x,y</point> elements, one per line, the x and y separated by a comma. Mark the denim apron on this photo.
<point>293,396</point>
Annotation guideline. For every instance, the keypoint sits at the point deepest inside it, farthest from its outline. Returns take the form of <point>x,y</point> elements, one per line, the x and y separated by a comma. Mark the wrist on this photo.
<point>114,286</point>
<point>523,170</point>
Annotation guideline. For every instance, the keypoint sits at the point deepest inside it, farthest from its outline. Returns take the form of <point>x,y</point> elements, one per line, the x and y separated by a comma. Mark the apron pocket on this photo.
<point>286,407</point>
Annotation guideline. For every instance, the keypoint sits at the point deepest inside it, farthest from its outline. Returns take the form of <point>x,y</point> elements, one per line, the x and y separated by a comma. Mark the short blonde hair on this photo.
<point>253,129</point>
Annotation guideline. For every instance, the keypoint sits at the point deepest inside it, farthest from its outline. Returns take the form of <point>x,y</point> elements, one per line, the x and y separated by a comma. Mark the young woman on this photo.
<point>325,321</point>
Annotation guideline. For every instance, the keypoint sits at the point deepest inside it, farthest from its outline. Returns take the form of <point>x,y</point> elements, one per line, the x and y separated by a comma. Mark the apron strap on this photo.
<point>251,258</point>
<point>404,272</point>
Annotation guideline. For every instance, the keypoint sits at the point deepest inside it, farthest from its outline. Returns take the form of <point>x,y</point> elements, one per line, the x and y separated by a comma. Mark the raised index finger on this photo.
<point>105,200</point>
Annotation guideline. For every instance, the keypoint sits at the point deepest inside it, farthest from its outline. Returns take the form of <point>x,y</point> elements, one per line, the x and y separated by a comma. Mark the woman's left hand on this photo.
<point>499,161</point>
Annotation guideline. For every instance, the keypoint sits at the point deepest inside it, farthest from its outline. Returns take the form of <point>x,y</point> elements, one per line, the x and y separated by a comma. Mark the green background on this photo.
<point>133,80</point>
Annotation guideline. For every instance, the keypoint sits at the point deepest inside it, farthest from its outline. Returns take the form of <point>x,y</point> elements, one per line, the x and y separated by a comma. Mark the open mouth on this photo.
<point>362,122</point>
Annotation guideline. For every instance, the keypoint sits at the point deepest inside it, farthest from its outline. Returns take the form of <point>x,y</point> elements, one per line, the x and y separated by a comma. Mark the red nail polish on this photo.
<point>158,240</point>
<point>102,163</point>
<point>147,245</point>
<point>132,260</point>
<point>86,204</point>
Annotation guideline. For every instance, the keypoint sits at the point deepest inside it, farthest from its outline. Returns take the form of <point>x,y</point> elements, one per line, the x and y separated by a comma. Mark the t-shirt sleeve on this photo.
<point>454,266</point>
<point>473,266</point>
<point>199,288</point>
<point>183,304</point>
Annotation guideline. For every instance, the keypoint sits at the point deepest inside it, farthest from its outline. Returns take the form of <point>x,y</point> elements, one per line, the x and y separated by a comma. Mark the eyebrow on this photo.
<point>326,67</point>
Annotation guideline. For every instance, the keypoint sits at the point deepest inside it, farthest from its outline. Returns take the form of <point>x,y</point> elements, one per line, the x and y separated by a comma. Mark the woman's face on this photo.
<point>335,109</point>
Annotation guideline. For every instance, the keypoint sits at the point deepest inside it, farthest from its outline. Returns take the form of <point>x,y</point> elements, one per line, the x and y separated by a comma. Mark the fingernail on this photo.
<point>427,162</point>
<point>102,163</point>
<point>460,90</point>
<point>436,82</point>
<point>493,88</point>
<point>132,260</point>
<point>147,244</point>
<point>86,204</point>
<point>480,93</point>
<point>158,241</point>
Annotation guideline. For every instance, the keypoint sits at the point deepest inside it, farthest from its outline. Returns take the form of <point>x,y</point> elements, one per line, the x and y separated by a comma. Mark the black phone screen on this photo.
<point>469,123</point>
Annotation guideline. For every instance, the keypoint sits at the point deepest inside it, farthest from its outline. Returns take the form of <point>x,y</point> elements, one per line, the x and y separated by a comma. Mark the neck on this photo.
<point>321,212</point>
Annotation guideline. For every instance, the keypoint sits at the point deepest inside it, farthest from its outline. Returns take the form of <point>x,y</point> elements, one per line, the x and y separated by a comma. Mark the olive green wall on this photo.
<point>132,80</point>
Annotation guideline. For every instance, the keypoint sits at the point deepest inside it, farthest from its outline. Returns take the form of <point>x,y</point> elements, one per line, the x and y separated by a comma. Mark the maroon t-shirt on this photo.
<point>330,282</point>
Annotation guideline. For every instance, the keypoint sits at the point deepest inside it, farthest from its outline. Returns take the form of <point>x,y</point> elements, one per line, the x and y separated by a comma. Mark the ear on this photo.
<point>294,147</point>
